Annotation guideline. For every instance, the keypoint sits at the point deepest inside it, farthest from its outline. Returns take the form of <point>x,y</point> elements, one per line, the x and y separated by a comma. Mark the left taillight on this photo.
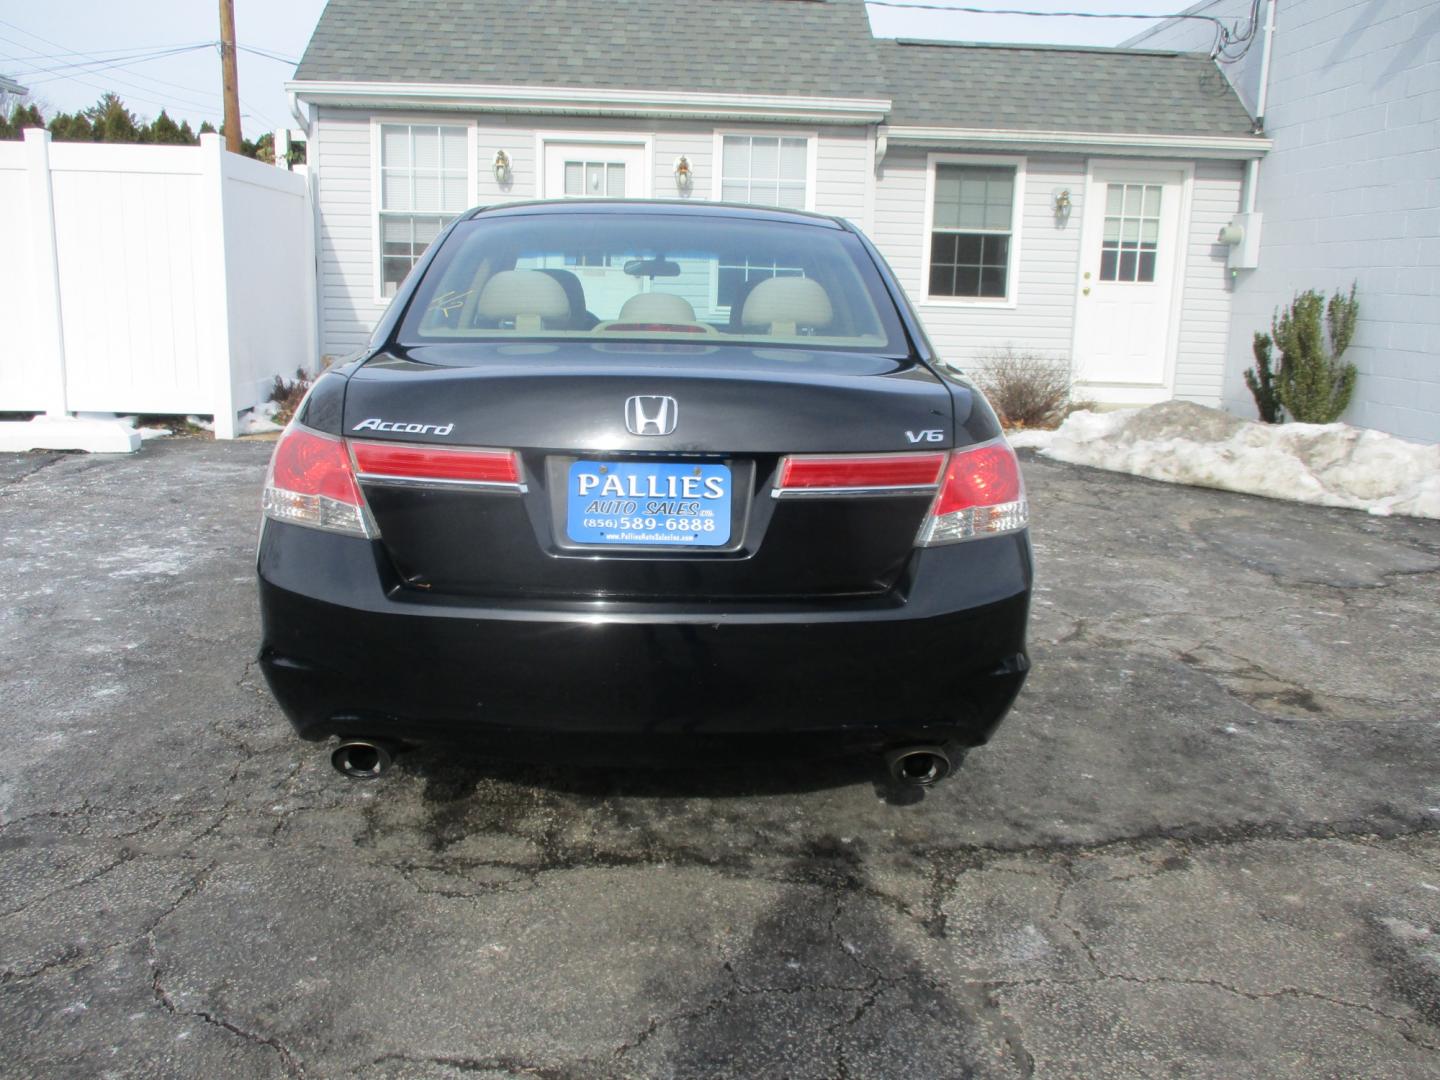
<point>310,482</point>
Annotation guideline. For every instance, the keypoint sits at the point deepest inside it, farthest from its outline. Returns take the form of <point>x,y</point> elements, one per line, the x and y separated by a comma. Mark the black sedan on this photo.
<point>620,475</point>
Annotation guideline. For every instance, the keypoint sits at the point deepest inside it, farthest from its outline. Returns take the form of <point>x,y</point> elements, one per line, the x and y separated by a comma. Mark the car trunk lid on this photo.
<point>563,409</point>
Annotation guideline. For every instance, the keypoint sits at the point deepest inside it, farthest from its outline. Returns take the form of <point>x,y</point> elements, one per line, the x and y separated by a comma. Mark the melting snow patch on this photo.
<point>260,420</point>
<point>1184,443</point>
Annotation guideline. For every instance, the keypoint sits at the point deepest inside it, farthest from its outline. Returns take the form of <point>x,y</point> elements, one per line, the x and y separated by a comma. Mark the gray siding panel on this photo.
<point>1043,319</point>
<point>348,311</point>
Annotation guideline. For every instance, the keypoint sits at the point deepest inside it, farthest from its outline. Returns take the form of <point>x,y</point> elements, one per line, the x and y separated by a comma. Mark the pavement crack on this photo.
<point>8,486</point>
<point>167,1003</point>
<point>125,856</point>
<point>1405,1025</point>
<point>511,1066</point>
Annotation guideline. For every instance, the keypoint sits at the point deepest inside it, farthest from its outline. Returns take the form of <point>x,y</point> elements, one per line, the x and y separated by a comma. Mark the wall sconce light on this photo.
<point>684,175</point>
<point>501,167</point>
<point>1061,205</point>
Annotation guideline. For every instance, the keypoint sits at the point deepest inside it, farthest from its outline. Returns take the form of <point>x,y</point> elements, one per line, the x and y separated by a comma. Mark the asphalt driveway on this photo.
<point>1206,843</point>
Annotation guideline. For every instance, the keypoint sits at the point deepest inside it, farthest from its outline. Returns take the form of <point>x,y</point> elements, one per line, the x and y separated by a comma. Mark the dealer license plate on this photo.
<point>648,503</point>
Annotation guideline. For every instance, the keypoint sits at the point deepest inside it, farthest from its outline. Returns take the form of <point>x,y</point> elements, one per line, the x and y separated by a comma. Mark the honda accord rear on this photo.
<point>639,474</point>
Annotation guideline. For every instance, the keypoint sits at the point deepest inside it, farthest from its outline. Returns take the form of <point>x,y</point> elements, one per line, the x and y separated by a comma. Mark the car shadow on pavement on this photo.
<point>448,774</point>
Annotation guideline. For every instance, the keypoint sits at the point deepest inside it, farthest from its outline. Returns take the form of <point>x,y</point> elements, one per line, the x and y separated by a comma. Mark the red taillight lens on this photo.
<point>436,463</point>
<point>310,483</point>
<point>851,472</point>
<point>981,494</point>
<point>986,476</point>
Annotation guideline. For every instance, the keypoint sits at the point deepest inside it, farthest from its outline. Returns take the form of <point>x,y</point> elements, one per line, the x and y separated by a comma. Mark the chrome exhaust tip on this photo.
<point>919,766</point>
<point>361,759</point>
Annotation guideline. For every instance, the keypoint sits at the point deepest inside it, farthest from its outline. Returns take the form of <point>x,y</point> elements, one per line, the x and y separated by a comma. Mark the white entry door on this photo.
<point>1130,256</point>
<point>594,171</point>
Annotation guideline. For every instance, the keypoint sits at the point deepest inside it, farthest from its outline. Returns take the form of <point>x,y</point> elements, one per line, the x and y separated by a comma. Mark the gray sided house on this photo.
<point>1350,193</point>
<point>1061,201</point>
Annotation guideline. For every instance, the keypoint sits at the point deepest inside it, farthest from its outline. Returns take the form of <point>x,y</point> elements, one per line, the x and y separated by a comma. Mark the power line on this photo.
<point>1226,35</point>
<point>210,96</point>
<point>268,55</point>
<point>61,71</point>
<point>110,52</point>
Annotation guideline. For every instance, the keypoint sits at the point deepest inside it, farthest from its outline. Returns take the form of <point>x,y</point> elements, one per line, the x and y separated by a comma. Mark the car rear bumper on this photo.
<point>346,650</point>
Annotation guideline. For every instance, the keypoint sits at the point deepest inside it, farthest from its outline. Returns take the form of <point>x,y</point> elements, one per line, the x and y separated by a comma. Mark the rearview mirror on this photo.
<point>652,268</point>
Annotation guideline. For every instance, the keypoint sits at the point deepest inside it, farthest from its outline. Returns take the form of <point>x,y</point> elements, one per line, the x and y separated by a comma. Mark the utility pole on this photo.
<point>229,76</point>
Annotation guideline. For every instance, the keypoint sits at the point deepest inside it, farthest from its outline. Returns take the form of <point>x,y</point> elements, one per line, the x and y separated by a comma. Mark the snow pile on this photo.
<point>259,420</point>
<point>1183,443</point>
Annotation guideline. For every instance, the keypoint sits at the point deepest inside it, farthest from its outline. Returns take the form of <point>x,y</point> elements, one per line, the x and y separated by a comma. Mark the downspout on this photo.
<point>304,121</point>
<point>1262,93</point>
<point>312,205</point>
<point>1265,48</point>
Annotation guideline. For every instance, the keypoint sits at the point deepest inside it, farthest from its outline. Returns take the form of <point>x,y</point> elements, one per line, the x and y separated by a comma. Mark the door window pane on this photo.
<point>595,179</point>
<point>574,178</point>
<point>971,229</point>
<point>1131,240</point>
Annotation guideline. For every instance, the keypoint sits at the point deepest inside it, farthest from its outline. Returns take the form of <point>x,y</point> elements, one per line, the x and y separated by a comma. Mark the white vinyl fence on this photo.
<point>151,279</point>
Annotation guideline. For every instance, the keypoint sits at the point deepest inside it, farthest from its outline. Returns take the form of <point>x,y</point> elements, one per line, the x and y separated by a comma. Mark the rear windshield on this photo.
<point>612,277</point>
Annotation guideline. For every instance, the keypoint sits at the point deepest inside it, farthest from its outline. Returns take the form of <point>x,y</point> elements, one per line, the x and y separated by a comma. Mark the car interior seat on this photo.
<point>534,300</point>
<point>783,306</point>
<point>580,317</point>
<point>656,307</point>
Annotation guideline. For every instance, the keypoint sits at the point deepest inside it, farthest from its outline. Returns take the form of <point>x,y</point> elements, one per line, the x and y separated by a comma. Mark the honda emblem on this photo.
<point>652,414</point>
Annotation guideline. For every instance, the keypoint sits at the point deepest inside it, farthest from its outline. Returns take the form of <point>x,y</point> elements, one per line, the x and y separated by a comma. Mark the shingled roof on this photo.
<point>1049,88</point>
<point>814,48</point>
<point>780,48</point>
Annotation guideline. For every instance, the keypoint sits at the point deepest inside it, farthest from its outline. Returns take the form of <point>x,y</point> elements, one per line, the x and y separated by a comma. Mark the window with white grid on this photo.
<point>424,183</point>
<point>1132,233</point>
<point>770,170</point>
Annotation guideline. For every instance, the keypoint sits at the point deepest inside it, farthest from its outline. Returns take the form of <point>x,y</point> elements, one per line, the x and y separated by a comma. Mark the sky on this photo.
<point>69,53</point>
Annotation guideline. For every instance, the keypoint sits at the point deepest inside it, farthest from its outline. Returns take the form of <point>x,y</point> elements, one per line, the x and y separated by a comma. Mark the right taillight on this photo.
<point>981,494</point>
<point>310,482</point>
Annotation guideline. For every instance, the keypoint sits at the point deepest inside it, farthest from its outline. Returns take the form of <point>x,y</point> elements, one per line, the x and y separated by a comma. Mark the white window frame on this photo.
<point>812,156</point>
<point>1017,218</point>
<point>377,272</point>
<point>603,138</point>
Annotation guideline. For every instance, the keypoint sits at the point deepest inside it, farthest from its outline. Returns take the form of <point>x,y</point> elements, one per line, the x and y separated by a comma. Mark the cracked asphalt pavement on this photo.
<point>1205,843</point>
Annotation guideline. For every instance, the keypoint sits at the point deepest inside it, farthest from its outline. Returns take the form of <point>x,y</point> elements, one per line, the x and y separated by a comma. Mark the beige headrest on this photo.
<point>656,307</point>
<point>786,303</point>
<point>527,296</point>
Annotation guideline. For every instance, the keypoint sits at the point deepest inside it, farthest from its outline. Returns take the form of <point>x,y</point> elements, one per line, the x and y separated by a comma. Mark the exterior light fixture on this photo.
<point>1061,205</point>
<point>684,175</point>
<point>501,167</point>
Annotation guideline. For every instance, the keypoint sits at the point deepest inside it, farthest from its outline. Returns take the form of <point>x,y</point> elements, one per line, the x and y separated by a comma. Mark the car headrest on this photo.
<point>784,304</point>
<point>527,296</point>
<point>656,307</point>
<point>574,291</point>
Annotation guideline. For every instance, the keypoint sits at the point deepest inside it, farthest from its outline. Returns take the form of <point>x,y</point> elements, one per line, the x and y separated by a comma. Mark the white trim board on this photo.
<point>554,99</point>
